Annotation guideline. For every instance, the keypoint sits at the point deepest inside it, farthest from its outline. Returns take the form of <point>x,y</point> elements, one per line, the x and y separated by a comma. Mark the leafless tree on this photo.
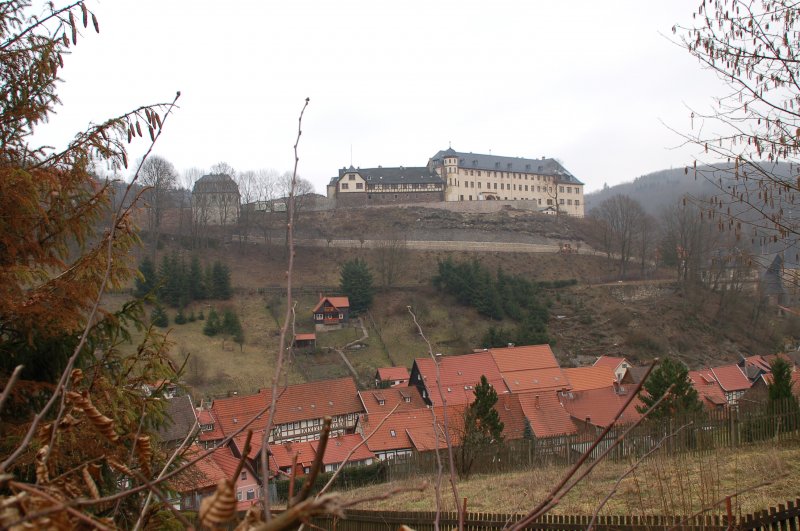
<point>622,217</point>
<point>391,255</point>
<point>749,138</point>
<point>159,177</point>
<point>687,241</point>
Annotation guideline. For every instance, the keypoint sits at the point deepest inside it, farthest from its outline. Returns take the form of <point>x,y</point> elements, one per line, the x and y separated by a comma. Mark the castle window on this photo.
<point>351,177</point>
<point>345,186</point>
<point>479,184</point>
<point>560,201</point>
<point>569,201</point>
<point>561,189</point>
<point>359,186</point>
<point>479,173</point>
<point>577,202</point>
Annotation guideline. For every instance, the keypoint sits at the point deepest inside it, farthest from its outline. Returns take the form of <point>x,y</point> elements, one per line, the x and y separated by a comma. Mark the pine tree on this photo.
<point>180,317</point>
<point>197,289</point>
<point>482,426</point>
<point>221,282</point>
<point>148,279</point>
<point>356,283</point>
<point>213,325</point>
<point>159,317</point>
<point>233,327</point>
<point>683,396</point>
<point>783,402</point>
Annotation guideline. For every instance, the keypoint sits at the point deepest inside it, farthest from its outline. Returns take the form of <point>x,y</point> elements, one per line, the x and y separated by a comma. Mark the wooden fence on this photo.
<point>679,434</point>
<point>784,517</point>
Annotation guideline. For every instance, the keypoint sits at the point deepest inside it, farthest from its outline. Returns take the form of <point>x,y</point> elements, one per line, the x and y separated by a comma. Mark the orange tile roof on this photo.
<point>336,302</point>
<point>708,388</point>
<point>458,375</point>
<point>338,447</point>
<point>305,337</point>
<point>406,397</point>
<point>203,474</point>
<point>731,378</point>
<point>206,416</point>
<point>600,406</point>
<point>609,361</point>
<point>281,455</point>
<point>392,373</point>
<point>594,377</point>
<point>769,378</point>
<point>255,443</point>
<point>511,415</point>
<point>306,401</point>
<point>546,415</point>
<point>397,431</point>
<point>536,380</point>
<point>524,358</point>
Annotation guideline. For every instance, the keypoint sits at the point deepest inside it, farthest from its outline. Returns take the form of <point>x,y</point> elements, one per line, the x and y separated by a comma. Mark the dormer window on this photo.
<point>407,399</point>
<point>393,433</point>
<point>381,402</point>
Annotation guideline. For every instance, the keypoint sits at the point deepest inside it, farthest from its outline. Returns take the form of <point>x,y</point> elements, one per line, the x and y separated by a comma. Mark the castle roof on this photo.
<point>215,184</point>
<point>479,161</point>
<point>399,175</point>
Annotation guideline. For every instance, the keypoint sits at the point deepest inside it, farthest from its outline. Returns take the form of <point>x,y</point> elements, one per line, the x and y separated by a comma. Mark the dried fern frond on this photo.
<point>42,474</point>
<point>144,452</point>
<point>119,467</point>
<point>220,506</point>
<point>90,484</point>
<point>252,518</point>
<point>103,424</point>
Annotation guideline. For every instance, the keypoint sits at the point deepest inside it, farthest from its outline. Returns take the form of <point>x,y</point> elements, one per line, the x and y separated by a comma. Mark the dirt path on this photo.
<point>340,351</point>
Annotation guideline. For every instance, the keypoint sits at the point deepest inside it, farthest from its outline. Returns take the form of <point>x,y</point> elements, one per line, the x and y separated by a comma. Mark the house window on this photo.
<point>393,433</point>
<point>251,494</point>
<point>239,495</point>
<point>351,177</point>
<point>345,186</point>
<point>244,476</point>
<point>359,186</point>
<point>341,316</point>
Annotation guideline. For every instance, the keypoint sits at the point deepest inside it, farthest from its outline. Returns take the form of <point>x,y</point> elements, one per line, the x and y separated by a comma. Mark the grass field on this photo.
<point>679,485</point>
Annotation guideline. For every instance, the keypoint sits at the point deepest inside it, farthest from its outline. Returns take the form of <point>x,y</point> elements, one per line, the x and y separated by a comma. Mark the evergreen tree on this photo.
<point>233,327</point>
<point>683,396</point>
<point>197,289</point>
<point>159,317</point>
<point>148,280</point>
<point>356,283</point>
<point>482,426</point>
<point>213,325</point>
<point>221,282</point>
<point>180,317</point>
<point>783,401</point>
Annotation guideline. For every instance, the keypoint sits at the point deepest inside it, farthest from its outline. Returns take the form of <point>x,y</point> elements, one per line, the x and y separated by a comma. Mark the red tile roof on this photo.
<point>546,415</point>
<point>511,415</point>
<point>536,380</point>
<point>524,358</point>
<point>204,474</point>
<point>306,401</point>
<point>708,388</point>
<point>731,378</point>
<point>406,397</point>
<point>392,373</point>
<point>396,432</point>
<point>336,302</point>
<point>338,447</point>
<point>305,337</point>
<point>281,455</point>
<point>600,406</point>
<point>594,377</point>
<point>609,361</point>
<point>206,417</point>
<point>769,378</point>
<point>459,374</point>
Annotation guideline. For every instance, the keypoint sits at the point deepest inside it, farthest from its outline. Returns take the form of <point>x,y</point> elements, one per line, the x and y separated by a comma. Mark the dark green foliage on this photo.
<point>527,433</point>
<point>201,316</point>
<point>683,396</point>
<point>220,287</point>
<point>196,287</point>
<point>482,426</point>
<point>350,477</point>
<point>232,326</point>
<point>782,398</point>
<point>148,280</point>
<point>191,317</point>
<point>159,317</point>
<point>500,297</point>
<point>213,325</point>
<point>180,317</point>
<point>356,283</point>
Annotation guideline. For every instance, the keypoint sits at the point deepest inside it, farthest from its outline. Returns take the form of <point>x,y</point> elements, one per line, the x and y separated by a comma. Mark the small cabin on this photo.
<point>331,312</point>
<point>305,341</point>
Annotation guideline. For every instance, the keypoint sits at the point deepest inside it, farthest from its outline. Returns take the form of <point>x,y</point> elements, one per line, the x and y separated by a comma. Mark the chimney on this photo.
<point>506,404</point>
<point>536,402</point>
<point>510,345</point>
<point>588,420</point>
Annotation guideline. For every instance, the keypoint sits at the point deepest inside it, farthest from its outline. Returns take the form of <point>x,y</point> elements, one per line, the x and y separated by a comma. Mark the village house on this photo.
<point>201,479</point>
<point>732,380</point>
<point>338,449</point>
<point>708,388</point>
<point>180,423</point>
<point>391,377</point>
<point>305,341</point>
<point>620,366</point>
<point>298,413</point>
<point>458,377</point>
<point>331,312</point>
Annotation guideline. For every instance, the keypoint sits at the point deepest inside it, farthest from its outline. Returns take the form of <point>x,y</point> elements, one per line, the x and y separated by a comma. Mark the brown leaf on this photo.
<point>96,25</point>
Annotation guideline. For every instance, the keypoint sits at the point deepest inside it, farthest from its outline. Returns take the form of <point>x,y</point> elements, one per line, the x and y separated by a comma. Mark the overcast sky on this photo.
<point>589,83</point>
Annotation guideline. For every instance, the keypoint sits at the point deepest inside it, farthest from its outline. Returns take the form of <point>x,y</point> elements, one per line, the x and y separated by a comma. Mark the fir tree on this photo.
<point>213,325</point>
<point>356,283</point>
<point>148,279</point>
<point>482,426</point>
<point>180,317</point>
<point>197,289</point>
<point>683,396</point>
<point>233,327</point>
<point>159,317</point>
<point>221,282</point>
<point>783,402</point>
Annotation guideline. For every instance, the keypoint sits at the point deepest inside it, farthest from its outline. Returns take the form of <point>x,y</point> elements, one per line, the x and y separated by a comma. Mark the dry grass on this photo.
<point>679,485</point>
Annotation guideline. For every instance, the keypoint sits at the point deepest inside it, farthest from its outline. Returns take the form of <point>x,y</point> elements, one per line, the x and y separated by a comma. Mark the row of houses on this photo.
<point>406,412</point>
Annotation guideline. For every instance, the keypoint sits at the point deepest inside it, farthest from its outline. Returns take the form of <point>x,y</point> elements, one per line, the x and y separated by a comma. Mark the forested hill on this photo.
<point>659,189</point>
